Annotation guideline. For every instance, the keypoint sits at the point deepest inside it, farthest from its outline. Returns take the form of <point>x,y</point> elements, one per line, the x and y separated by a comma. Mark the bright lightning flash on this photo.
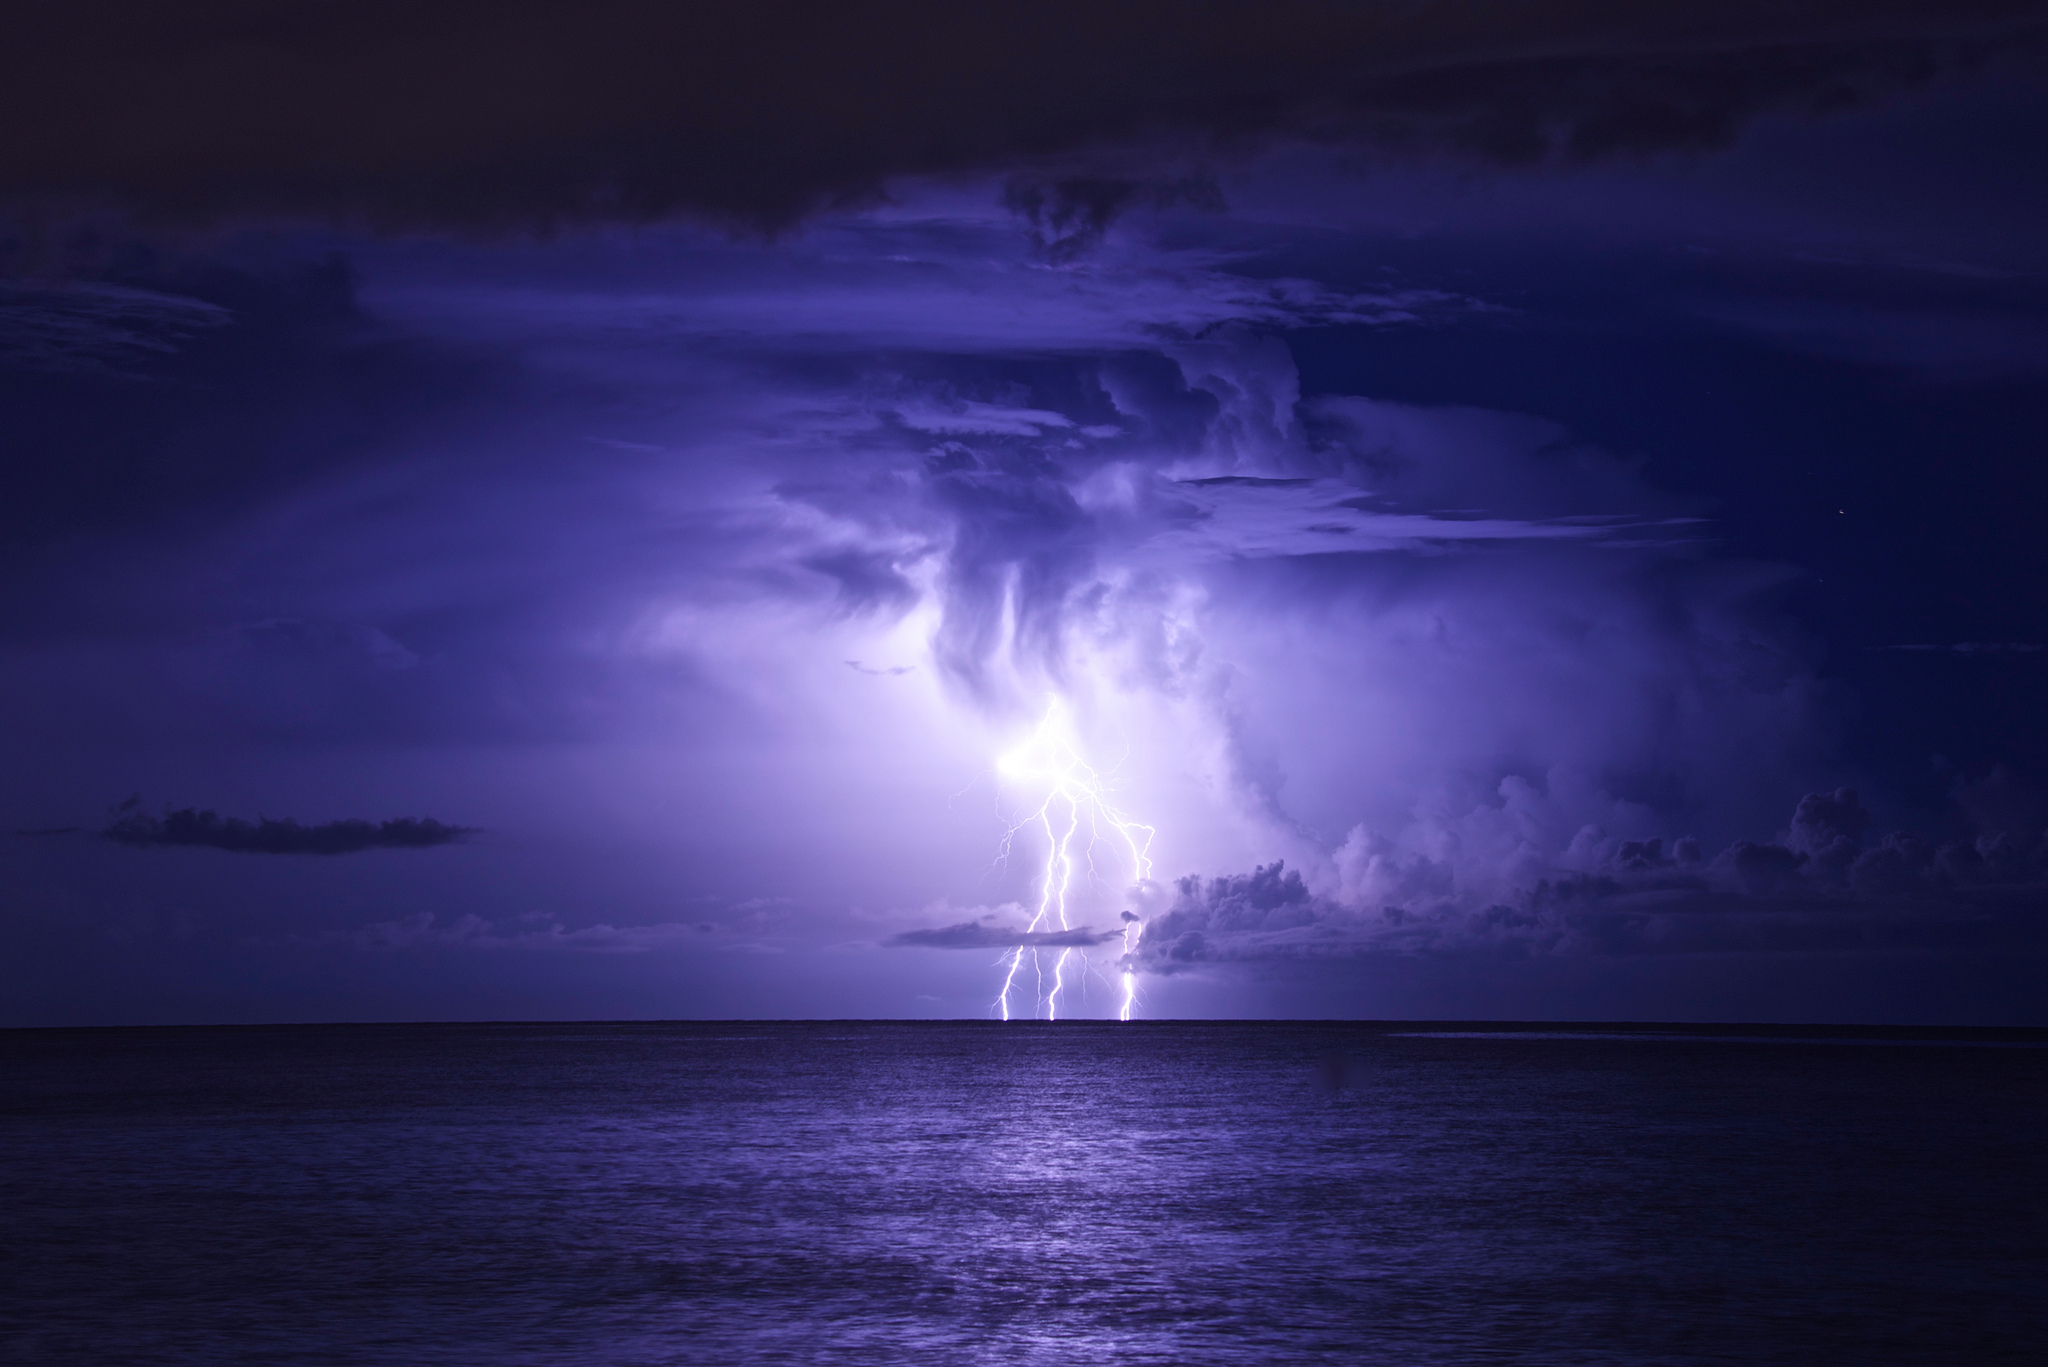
<point>1074,811</point>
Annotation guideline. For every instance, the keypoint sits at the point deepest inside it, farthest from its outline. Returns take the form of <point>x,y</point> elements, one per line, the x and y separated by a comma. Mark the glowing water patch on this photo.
<point>1076,805</point>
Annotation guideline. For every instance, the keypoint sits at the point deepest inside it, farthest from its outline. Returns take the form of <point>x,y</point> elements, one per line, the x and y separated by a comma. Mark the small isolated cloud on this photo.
<point>210,830</point>
<point>980,935</point>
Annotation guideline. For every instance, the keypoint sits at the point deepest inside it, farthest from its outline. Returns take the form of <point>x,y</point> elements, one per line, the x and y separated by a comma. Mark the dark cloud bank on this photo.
<point>1820,888</point>
<point>462,114</point>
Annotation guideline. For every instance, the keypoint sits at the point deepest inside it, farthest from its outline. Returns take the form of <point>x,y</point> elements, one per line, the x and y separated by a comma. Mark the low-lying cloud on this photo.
<point>1819,887</point>
<point>981,935</point>
<point>209,830</point>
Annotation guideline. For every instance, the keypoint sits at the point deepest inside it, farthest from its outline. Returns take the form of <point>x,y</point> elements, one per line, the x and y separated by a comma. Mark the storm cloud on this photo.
<point>1381,433</point>
<point>1128,501</point>
<point>471,116</point>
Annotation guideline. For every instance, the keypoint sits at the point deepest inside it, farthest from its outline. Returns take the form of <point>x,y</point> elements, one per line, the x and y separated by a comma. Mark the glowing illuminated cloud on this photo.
<point>1074,808</point>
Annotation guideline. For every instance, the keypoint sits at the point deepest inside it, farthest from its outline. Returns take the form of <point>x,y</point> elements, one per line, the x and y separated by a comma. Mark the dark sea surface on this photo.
<point>1023,1194</point>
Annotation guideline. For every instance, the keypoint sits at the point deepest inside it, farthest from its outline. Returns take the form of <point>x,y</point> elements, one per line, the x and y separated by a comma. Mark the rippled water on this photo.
<point>1022,1194</point>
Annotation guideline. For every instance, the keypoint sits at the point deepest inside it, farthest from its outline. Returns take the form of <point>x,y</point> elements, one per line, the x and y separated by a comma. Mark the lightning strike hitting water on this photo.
<point>1075,807</point>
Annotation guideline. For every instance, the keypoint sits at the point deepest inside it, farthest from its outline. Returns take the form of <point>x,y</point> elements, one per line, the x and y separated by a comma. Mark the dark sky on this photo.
<point>1534,509</point>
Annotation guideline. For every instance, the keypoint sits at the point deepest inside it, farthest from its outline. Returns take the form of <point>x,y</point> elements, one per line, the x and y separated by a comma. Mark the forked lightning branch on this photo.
<point>1078,825</point>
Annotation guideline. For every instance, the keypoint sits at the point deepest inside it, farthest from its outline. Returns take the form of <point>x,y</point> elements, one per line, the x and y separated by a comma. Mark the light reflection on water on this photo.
<point>974,1193</point>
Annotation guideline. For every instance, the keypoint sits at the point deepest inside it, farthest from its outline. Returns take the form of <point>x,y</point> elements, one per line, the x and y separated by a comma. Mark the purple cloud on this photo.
<point>1821,891</point>
<point>980,935</point>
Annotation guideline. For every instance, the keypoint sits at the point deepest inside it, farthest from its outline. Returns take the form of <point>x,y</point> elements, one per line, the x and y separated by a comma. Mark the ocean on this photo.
<point>980,1193</point>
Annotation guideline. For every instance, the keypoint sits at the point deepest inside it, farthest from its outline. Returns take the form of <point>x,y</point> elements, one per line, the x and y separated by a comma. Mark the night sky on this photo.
<point>560,511</point>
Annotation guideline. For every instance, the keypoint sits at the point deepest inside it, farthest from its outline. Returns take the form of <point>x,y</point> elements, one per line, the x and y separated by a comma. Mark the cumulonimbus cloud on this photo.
<point>462,114</point>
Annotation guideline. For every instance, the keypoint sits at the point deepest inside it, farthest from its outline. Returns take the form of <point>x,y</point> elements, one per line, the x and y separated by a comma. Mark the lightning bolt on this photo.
<point>1075,811</point>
